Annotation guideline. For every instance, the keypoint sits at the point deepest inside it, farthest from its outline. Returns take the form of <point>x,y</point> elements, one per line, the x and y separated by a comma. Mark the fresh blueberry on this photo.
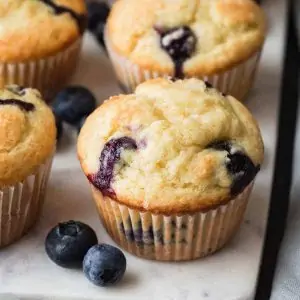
<point>179,43</point>
<point>97,15</point>
<point>110,155</point>
<point>80,124</point>
<point>59,128</point>
<point>104,265</point>
<point>238,164</point>
<point>73,103</point>
<point>67,243</point>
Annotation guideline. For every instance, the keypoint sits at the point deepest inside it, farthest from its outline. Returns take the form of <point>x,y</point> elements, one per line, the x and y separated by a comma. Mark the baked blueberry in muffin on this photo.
<point>110,155</point>
<point>238,164</point>
<point>180,44</point>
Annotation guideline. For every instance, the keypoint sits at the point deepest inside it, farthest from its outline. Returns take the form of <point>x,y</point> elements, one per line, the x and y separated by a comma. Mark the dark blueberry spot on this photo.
<point>26,106</point>
<point>159,237</point>
<point>208,85</point>
<point>104,265</point>
<point>121,227</point>
<point>99,35</point>
<point>129,235</point>
<point>17,89</point>
<point>67,243</point>
<point>74,103</point>
<point>179,43</point>
<point>59,9</point>
<point>97,15</point>
<point>110,155</point>
<point>148,236</point>
<point>183,241</point>
<point>138,235</point>
<point>243,171</point>
<point>173,223</point>
<point>173,238</point>
<point>183,226</point>
<point>59,127</point>
<point>238,164</point>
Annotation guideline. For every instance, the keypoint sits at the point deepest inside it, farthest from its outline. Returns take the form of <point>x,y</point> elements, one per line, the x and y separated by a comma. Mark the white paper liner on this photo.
<point>174,237</point>
<point>21,203</point>
<point>236,82</point>
<point>48,75</point>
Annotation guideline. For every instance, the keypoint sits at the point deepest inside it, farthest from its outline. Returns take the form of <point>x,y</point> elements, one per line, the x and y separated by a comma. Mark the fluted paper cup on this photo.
<point>171,237</point>
<point>236,81</point>
<point>48,75</point>
<point>20,204</point>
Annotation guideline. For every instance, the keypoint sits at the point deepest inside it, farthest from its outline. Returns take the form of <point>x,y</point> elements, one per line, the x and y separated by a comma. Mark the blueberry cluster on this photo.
<point>74,244</point>
<point>72,105</point>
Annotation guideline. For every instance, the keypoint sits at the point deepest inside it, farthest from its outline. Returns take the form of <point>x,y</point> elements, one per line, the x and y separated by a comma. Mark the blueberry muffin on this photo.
<point>219,41</point>
<point>40,42</point>
<point>171,167</point>
<point>27,143</point>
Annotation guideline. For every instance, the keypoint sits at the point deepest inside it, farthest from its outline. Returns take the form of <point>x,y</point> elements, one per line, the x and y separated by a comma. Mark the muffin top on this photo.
<point>33,29</point>
<point>201,37</point>
<point>27,133</point>
<point>171,147</point>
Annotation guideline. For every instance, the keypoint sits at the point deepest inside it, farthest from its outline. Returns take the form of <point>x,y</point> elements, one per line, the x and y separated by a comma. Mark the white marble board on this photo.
<point>27,273</point>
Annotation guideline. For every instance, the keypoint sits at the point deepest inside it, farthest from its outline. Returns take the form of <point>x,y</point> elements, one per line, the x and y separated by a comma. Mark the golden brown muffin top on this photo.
<point>33,29</point>
<point>217,35</point>
<point>27,133</point>
<point>171,147</point>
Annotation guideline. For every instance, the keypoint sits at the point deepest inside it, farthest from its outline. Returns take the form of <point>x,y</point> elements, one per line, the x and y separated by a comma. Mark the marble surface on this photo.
<point>27,273</point>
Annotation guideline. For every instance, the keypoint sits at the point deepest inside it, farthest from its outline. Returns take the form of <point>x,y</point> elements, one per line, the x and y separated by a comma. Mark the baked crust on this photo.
<point>173,170</point>
<point>30,30</point>
<point>27,134</point>
<point>228,32</point>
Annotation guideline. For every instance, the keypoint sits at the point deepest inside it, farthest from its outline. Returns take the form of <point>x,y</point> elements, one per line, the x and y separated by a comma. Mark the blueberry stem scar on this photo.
<point>21,104</point>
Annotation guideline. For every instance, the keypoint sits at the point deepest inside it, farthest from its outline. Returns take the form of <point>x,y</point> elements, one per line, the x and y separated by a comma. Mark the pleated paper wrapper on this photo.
<point>171,237</point>
<point>49,75</point>
<point>20,204</point>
